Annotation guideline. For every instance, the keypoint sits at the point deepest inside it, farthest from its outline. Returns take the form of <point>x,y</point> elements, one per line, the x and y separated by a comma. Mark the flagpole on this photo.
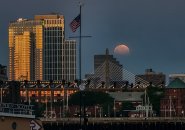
<point>80,67</point>
<point>80,63</point>
<point>77,22</point>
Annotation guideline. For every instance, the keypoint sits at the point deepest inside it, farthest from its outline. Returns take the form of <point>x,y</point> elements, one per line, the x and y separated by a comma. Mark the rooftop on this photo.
<point>176,83</point>
<point>126,96</point>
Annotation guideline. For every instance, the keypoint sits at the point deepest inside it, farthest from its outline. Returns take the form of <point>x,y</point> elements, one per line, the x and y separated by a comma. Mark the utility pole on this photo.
<point>170,107</point>
<point>107,76</point>
<point>114,108</point>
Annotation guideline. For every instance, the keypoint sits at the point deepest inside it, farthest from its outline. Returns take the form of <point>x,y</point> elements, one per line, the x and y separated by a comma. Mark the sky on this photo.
<point>154,30</point>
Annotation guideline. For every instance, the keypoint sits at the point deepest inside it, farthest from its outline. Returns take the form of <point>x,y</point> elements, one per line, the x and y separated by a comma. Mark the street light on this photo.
<point>182,113</point>
<point>82,88</point>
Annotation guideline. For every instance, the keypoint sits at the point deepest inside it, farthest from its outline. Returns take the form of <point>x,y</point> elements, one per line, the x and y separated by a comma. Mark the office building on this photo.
<point>106,69</point>
<point>151,77</point>
<point>112,69</point>
<point>38,49</point>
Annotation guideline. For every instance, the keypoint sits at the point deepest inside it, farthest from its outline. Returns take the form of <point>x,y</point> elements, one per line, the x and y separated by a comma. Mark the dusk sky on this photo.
<point>154,30</point>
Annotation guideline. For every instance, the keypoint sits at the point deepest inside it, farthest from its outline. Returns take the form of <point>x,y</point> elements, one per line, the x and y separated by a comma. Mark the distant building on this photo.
<point>3,73</point>
<point>174,76</point>
<point>106,69</point>
<point>39,51</point>
<point>112,69</point>
<point>173,103</point>
<point>151,77</point>
<point>134,97</point>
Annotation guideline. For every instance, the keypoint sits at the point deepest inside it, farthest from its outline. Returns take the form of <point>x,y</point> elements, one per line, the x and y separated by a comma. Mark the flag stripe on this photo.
<point>75,23</point>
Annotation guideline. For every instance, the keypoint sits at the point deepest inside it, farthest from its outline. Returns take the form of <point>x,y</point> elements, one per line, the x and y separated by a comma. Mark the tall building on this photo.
<point>38,49</point>
<point>107,66</point>
<point>151,77</point>
<point>107,70</point>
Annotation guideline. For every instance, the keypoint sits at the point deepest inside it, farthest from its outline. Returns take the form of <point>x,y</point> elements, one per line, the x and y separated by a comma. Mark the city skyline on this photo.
<point>38,49</point>
<point>153,30</point>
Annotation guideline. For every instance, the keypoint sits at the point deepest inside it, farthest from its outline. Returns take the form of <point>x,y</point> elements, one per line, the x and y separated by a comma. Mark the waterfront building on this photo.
<point>121,99</point>
<point>173,103</point>
<point>58,92</point>
<point>151,77</point>
<point>38,90</point>
<point>174,76</point>
<point>134,97</point>
<point>38,49</point>
<point>3,73</point>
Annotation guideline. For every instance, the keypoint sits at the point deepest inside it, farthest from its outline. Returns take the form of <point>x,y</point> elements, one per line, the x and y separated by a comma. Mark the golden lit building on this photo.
<point>22,51</point>
<point>39,51</point>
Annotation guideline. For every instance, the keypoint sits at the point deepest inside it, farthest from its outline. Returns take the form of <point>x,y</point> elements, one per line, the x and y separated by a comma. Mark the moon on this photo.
<point>121,49</point>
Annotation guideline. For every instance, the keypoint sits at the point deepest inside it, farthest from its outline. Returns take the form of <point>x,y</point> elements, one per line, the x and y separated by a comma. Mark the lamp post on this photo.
<point>1,94</point>
<point>46,106</point>
<point>182,113</point>
<point>82,88</point>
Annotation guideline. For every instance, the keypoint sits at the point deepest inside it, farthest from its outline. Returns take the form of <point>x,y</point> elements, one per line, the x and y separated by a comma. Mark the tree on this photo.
<point>90,98</point>
<point>126,107</point>
<point>38,108</point>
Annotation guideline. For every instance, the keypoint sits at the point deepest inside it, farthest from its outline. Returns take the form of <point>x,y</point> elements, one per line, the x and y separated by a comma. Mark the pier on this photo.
<point>154,123</point>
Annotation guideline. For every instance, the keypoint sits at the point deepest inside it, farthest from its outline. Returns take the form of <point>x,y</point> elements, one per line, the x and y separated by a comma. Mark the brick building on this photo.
<point>173,103</point>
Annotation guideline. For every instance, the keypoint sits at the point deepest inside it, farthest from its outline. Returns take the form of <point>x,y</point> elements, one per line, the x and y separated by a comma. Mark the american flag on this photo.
<point>75,23</point>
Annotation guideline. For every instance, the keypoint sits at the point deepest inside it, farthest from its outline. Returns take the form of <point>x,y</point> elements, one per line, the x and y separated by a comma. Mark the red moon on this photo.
<point>121,49</point>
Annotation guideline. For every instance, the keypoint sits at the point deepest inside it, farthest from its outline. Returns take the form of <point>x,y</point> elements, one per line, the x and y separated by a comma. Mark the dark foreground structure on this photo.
<point>174,124</point>
<point>118,126</point>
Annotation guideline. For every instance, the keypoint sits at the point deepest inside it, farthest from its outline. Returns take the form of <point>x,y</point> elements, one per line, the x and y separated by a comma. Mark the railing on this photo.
<point>16,110</point>
<point>121,119</point>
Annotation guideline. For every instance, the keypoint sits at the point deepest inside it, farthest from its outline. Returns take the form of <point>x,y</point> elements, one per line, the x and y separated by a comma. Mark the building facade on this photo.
<point>110,62</point>
<point>106,69</point>
<point>151,77</point>
<point>173,103</point>
<point>38,49</point>
<point>174,76</point>
<point>55,96</point>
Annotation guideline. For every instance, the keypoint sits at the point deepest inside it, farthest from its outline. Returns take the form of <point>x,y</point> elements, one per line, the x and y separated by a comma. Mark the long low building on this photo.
<point>47,91</point>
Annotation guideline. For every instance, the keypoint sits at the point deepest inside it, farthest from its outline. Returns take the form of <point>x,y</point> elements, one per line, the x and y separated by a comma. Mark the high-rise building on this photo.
<point>38,49</point>
<point>108,67</point>
<point>107,70</point>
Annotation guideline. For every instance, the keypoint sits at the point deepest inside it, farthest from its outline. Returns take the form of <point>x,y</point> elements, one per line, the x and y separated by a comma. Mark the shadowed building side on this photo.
<point>3,73</point>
